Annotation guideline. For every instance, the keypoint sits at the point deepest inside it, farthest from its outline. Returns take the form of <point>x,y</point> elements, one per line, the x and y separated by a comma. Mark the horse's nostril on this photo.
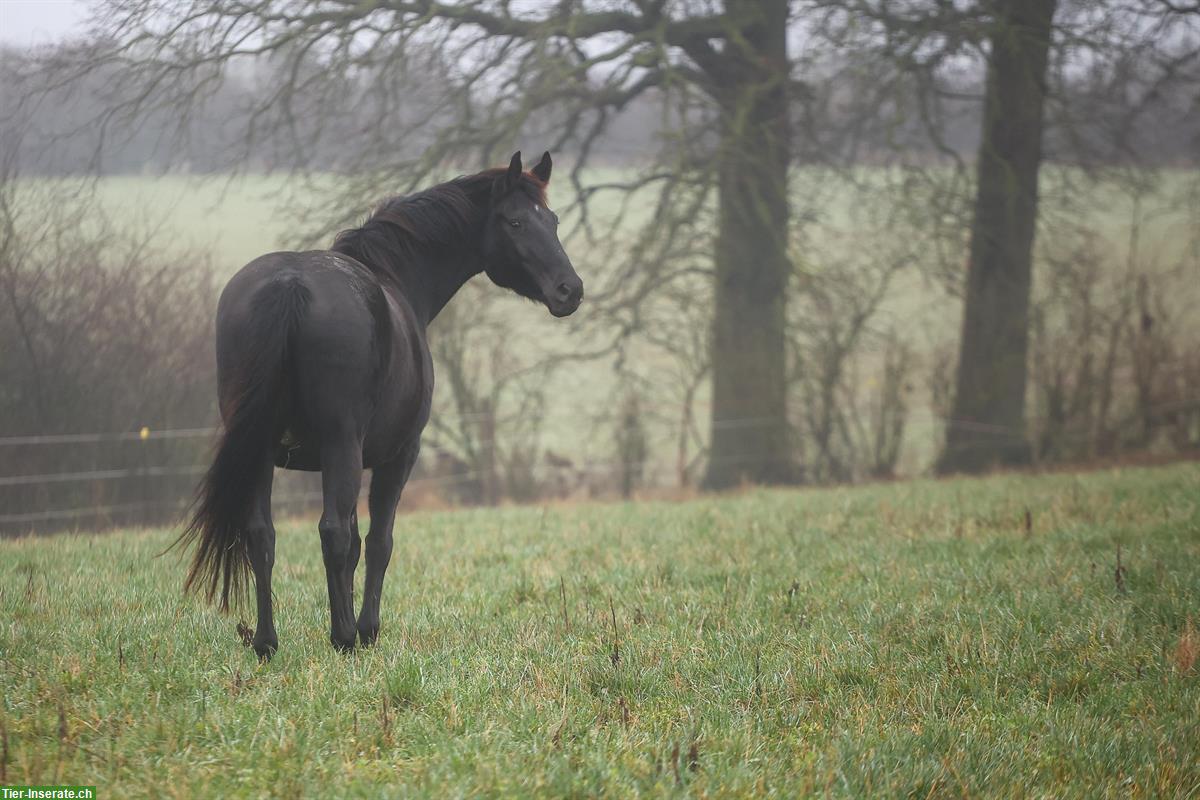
<point>564,291</point>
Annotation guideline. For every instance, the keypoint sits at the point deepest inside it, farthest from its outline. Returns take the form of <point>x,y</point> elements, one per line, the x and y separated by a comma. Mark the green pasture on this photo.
<point>236,219</point>
<point>1014,636</point>
<point>850,221</point>
<point>847,221</point>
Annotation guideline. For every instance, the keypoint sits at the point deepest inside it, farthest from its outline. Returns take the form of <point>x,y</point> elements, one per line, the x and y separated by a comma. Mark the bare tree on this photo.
<point>989,399</point>
<point>100,335</point>
<point>721,75</point>
<point>396,93</point>
<point>494,401</point>
<point>1110,370</point>
<point>844,360</point>
<point>631,445</point>
<point>1069,82</point>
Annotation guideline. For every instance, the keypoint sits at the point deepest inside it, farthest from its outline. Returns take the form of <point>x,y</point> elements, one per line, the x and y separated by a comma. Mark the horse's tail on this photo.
<point>254,421</point>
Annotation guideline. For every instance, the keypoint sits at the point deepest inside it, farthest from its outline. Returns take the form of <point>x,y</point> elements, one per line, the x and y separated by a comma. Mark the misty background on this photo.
<point>783,228</point>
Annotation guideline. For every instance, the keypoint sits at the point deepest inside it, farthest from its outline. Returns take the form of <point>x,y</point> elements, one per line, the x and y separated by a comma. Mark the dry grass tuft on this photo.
<point>1187,649</point>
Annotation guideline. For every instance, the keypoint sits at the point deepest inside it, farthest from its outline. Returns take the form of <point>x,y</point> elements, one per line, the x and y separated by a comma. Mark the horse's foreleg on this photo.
<point>387,482</point>
<point>341,474</point>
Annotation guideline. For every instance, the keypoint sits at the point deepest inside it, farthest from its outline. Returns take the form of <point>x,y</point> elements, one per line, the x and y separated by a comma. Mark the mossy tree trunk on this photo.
<point>750,433</point>
<point>987,425</point>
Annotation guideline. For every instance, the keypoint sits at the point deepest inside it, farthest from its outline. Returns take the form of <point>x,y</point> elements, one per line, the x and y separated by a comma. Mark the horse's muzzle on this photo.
<point>566,297</point>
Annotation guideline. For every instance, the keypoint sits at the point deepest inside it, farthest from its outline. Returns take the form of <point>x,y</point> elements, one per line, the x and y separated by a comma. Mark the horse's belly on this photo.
<point>294,455</point>
<point>379,446</point>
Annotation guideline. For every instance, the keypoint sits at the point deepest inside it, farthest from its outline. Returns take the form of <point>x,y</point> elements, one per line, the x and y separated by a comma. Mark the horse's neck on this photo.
<point>430,281</point>
<point>430,278</point>
<point>451,275</point>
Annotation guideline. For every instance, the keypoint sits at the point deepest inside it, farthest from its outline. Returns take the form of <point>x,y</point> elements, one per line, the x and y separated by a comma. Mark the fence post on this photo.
<point>144,445</point>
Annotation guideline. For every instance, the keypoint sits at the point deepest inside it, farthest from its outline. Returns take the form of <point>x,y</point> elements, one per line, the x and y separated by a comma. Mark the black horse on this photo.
<point>323,365</point>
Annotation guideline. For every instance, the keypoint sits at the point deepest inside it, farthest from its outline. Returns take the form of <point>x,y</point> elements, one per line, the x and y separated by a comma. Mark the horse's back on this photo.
<point>335,335</point>
<point>356,364</point>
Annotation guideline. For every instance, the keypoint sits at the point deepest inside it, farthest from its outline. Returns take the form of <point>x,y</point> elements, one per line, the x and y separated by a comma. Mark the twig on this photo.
<point>616,651</point>
<point>562,590</point>
<point>1119,572</point>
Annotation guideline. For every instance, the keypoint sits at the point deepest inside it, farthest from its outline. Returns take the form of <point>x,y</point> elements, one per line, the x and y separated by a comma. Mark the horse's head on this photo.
<point>520,245</point>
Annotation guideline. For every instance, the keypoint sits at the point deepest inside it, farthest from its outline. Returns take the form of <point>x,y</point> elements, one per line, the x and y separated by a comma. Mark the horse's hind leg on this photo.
<point>341,474</point>
<point>386,484</point>
<point>260,546</point>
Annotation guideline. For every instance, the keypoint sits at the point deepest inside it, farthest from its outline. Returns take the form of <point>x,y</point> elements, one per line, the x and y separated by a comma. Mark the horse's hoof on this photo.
<point>265,649</point>
<point>368,636</point>
<point>341,644</point>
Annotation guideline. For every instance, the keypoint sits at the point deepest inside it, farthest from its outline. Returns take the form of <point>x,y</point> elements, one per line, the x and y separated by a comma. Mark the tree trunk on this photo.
<point>987,425</point>
<point>750,433</point>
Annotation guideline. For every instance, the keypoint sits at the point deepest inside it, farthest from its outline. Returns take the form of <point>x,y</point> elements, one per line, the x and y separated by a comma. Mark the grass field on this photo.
<point>235,220</point>
<point>1013,636</point>
<point>232,221</point>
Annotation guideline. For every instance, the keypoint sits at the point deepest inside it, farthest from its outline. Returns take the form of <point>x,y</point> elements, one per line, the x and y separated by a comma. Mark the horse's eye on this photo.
<point>515,223</point>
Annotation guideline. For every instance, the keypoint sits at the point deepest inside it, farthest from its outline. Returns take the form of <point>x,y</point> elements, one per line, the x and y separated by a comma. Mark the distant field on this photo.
<point>235,220</point>
<point>240,218</point>
<point>915,639</point>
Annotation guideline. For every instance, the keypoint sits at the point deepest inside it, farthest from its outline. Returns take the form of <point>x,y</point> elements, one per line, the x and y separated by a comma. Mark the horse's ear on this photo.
<point>542,170</point>
<point>514,170</point>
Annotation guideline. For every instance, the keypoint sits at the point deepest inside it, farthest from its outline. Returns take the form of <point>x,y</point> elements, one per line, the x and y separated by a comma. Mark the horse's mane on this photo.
<point>445,215</point>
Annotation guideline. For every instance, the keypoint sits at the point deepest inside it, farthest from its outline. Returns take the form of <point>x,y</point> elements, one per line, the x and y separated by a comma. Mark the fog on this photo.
<point>785,229</point>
